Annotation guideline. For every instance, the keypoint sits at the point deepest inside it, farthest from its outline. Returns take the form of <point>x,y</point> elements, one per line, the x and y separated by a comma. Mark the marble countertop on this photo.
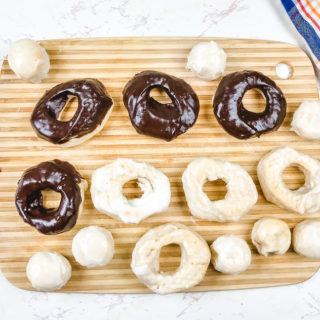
<point>264,19</point>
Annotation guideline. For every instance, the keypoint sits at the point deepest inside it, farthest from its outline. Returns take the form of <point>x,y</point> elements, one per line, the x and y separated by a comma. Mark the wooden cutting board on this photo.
<point>114,61</point>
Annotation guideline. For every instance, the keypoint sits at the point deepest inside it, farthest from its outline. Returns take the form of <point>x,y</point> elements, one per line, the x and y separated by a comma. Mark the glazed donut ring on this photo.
<point>195,258</point>
<point>59,176</point>
<point>241,195</point>
<point>150,117</point>
<point>235,118</point>
<point>94,108</point>
<point>306,199</point>
<point>106,190</point>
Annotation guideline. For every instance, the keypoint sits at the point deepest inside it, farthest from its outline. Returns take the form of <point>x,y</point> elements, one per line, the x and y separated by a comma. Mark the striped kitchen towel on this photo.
<point>305,15</point>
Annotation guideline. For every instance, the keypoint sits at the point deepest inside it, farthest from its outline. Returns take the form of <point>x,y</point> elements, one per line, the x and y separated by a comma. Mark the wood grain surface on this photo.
<point>114,62</point>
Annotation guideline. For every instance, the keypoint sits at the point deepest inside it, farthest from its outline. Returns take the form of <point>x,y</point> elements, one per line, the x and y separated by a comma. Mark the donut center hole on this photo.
<point>170,258</point>
<point>254,101</point>
<point>50,199</point>
<point>215,190</point>
<point>160,95</point>
<point>293,177</point>
<point>132,190</point>
<point>69,109</point>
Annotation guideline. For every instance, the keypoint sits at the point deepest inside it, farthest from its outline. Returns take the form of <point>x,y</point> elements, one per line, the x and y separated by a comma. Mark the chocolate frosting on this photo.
<point>93,105</point>
<point>233,116</point>
<point>59,176</point>
<point>150,117</point>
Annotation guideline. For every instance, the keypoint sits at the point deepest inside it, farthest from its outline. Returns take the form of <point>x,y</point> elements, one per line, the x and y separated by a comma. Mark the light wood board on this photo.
<point>114,62</point>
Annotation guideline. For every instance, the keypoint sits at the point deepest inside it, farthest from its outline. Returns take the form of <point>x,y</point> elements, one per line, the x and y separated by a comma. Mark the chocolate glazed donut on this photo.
<point>93,109</point>
<point>233,116</point>
<point>150,117</point>
<point>59,176</point>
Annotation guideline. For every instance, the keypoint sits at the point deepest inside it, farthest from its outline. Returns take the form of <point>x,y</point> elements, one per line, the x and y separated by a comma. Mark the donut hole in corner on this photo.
<point>50,199</point>
<point>293,177</point>
<point>131,190</point>
<point>215,190</point>
<point>170,258</point>
<point>160,95</point>
<point>69,109</point>
<point>254,101</point>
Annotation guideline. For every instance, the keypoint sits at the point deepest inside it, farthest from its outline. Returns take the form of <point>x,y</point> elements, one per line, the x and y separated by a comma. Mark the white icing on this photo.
<point>93,246</point>
<point>195,258</point>
<point>240,197</point>
<point>106,190</point>
<point>207,60</point>
<point>230,254</point>
<point>48,271</point>
<point>306,120</point>
<point>270,168</point>
<point>29,60</point>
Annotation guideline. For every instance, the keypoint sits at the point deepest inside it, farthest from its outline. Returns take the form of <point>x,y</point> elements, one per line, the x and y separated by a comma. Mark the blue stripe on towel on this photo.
<point>303,27</point>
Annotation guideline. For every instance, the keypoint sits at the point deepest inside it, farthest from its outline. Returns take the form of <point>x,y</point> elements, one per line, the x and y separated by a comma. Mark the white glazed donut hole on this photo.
<point>304,200</point>
<point>195,258</point>
<point>48,271</point>
<point>207,60</point>
<point>271,235</point>
<point>306,120</point>
<point>306,238</point>
<point>230,254</point>
<point>29,60</point>
<point>93,247</point>
<point>241,195</point>
<point>107,184</point>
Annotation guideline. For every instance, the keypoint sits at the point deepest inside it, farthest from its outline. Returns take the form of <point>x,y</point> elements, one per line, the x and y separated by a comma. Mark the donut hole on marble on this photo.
<point>132,189</point>
<point>170,258</point>
<point>160,95</point>
<point>50,200</point>
<point>69,109</point>
<point>215,189</point>
<point>254,101</point>
<point>293,177</point>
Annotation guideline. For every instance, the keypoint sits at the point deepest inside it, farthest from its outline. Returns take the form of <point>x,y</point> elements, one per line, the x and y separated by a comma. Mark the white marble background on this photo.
<point>47,19</point>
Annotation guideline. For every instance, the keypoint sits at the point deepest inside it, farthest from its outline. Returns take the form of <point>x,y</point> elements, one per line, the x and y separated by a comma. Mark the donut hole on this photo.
<point>293,177</point>
<point>254,101</point>
<point>215,190</point>
<point>50,199</point>
<point>170,258</point>
<point>160,95</point>
<point>131,189</point>
<point>69,109</point>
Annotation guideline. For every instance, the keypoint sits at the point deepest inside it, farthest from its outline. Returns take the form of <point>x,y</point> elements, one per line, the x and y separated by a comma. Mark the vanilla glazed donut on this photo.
<point>306,119</point>
<point>29,60</point>
<point>306,238</point>
<point>230,254</point>
<point>240,197</point>
<point>195,258</point>
<point>48,271</point>
<point>93,247</point>
<point>271,235</point>
<point>304,200</point>
<point>106,190</point>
